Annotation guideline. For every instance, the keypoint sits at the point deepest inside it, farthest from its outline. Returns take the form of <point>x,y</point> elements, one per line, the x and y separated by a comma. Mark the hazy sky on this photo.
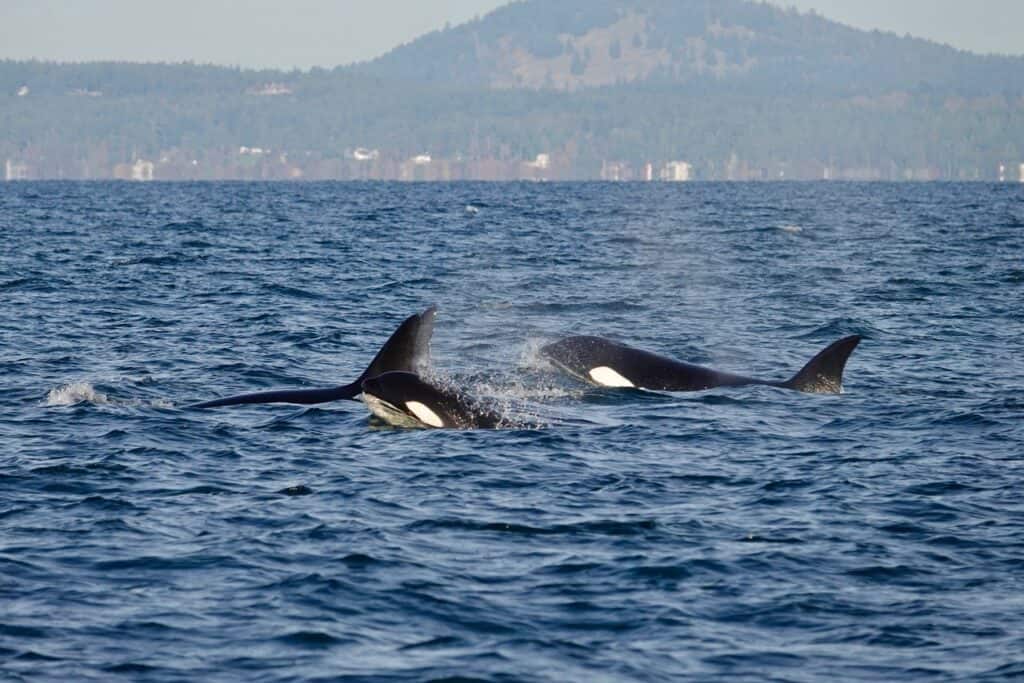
<point>304,33</point>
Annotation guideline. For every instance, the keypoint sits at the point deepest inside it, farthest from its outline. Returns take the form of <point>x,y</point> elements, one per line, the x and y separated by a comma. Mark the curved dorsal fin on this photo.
<point>406,350</point>
<point>824,373</point>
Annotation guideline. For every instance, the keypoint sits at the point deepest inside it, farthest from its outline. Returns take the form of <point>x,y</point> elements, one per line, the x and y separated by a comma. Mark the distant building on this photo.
<point>15,171</point>
<point>1002,173</point>
<point>537,170</point>
<point>1022,173</point>
<point>677,172</point>
<point>363,154</point>
<point>424,168</point>
<point>252,151</point>
<point>616,171</point>
<point>142,170</point>
<point>542,161</point>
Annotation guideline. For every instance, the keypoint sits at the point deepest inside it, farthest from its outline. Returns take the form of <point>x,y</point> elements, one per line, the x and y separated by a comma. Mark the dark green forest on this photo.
<point>788,51</point>
<point>740,90</point>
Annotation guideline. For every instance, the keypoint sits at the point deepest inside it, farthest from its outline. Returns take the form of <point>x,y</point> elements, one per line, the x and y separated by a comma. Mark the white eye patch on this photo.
<point>606,377</point>
<point>424,414</point>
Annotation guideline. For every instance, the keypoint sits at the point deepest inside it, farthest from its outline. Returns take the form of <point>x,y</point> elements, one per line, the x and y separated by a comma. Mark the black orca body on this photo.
<point>611,364</point>
<point>405,399</point>
<point>408,349</point>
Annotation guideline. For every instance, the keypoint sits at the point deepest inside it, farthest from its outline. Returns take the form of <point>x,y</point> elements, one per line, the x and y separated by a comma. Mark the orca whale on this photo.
<point>408,349</point>
<point>610,364</point>
<point>404,399</point>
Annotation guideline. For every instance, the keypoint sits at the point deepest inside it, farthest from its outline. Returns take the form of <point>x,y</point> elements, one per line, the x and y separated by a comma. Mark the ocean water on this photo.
<point>733,534</point>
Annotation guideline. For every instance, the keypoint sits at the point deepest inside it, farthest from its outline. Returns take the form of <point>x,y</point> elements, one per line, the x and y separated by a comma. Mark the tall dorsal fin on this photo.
<point>406,350</point>
<point>824,373</point>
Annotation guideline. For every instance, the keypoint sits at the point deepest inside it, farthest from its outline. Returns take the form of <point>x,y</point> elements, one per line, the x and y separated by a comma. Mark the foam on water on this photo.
<point>75,393</point>
<point>531,357</point>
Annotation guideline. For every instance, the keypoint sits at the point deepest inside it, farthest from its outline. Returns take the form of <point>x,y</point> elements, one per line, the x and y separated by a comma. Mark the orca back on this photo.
<point>603,361</point>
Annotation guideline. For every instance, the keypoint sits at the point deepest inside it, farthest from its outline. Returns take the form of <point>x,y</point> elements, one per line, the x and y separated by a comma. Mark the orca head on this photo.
<point>592,359</point>
<point>403,399</point>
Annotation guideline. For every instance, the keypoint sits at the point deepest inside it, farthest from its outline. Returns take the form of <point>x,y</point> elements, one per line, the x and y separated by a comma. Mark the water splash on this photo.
<point>75,393</point>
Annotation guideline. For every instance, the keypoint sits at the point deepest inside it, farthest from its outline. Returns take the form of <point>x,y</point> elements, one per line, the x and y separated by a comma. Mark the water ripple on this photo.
<point>737,534</point>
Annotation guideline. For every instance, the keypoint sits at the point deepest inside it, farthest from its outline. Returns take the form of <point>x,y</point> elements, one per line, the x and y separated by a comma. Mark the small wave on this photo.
<point>311,639</point>
<point>18,631</point>
<point>885,574</point>
<point>131,668</point>
<point>171,259</point>
<point>939,488</point>
<point>184,225</point>
<point>438,642</point>
<point>33,656</point>
<point>628,240</point>
<point>1006,672</point>
<point>365,217</point>
<point>965,419</point>
<point>616,306</point>
<point>15,283</point>
<point>791,229</point>
<point>599,527</point>
<point>293,292</point>
<point>845,326</point>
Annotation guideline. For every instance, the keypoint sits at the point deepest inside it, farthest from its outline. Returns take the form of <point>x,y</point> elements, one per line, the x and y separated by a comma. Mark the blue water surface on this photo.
<point>733,534</point>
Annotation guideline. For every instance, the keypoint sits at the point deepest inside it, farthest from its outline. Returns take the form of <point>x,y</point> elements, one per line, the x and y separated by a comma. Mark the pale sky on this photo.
<point>305,33</point>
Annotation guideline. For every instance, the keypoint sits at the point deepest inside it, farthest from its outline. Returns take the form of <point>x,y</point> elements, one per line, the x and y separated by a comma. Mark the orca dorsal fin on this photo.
<point>824,373</point>
<point>406,350</point>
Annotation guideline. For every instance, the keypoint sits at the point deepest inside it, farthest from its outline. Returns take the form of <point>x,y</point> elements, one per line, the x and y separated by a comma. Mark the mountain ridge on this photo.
<point>612,89</point>
<point>575,44</point>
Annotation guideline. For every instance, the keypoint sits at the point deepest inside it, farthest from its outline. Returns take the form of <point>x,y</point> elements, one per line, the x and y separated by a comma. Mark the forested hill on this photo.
<point>543,89</point>
<point>756,47</point>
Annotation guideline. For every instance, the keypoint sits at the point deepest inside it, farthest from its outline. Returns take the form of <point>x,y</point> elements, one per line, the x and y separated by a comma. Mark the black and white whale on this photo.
<point>610,364</point>
<point>408,350</point>
<point>405,399</point>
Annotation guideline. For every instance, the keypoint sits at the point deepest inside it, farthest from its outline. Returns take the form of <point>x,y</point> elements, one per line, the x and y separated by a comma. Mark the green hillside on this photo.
<point>718,44</point>
<point>599,88</point>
